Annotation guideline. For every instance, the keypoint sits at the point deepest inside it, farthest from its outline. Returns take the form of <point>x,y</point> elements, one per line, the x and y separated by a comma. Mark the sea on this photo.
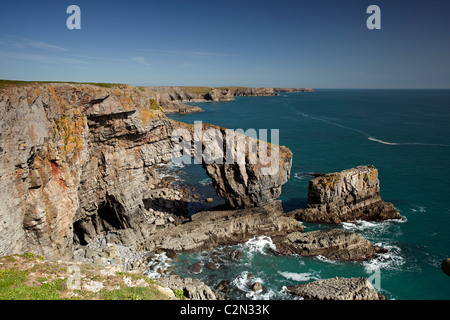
<point>404,133</point>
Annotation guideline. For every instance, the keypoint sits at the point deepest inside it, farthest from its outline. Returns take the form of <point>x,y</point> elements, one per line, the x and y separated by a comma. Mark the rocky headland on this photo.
<point>173,99</point>
<point>79,179</point>
<point>352,194</point>
<point>336,289</point>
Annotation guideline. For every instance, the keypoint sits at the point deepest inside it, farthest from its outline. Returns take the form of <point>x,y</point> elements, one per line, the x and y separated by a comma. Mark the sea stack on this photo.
<point>349,195</point>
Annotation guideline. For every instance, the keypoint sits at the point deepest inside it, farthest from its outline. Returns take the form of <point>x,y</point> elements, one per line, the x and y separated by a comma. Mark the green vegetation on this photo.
<point>179,294</point>
<point>155,106</point>
<point>14,286</point>
<point>131,293</point>
<point>14,83</point>
<point>30,277</point>
<point>238,89</point>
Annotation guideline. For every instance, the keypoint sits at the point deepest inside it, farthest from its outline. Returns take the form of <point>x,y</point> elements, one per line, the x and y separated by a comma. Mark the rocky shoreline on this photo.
<point>174,99</point>
<point>79,167</point>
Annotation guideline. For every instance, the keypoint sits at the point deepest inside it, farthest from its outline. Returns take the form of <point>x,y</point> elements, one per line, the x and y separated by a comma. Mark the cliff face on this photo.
<point>345,196</point>
<point>77,161</point>
<point>172,99</point>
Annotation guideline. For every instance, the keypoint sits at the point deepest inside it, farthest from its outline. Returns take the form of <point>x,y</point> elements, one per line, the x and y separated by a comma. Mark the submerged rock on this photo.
<point>257,287</point>
<point>235,255</point>
<point>196,268</point>
<point>349,195</point>
<point>212,265</point>
<point>336,289</point>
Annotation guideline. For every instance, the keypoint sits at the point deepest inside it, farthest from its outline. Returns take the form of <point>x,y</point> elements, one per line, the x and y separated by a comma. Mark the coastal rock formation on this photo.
<point>281,90</point>
<point>255,179</point>
<point>193,289</point>
<point>446,266</point>
<point>334,244</point>
<point>336,289</point>
<point>173,99</point>
<point>352,194</point>
<point>78,161</point>
<point>209,229</point>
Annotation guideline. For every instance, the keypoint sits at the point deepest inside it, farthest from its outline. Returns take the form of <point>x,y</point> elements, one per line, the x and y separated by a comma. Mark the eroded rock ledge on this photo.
<point>336,289</point>
<point>333,244</point>
<point>349,195</point>
<point>209,229</point>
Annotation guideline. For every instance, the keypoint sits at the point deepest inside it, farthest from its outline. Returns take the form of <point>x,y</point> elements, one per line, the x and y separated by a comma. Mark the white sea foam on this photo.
<point>284,292</point>
<point>383,142</point>
<point>260,245</point>
<point>205,182</point>
<point>391,260</point>
<point>418,208</point>
<point>303,175</point>
<point>305,276</point>
<point>408,143</point>
<point>175,165</point>
<point>370,137</point>
<point>244,283</point>
<point>299,176</point>
<point>159,261</point>
<point>359,225</point>
<point>325,259</point>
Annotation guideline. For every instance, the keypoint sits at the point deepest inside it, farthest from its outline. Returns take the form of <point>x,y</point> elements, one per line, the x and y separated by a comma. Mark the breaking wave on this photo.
<point>391,260</point>
<point>305,276</point>
<point>244,282</point>
<point>408,143</point>
<point>369,137</point>
<point>304,175</point>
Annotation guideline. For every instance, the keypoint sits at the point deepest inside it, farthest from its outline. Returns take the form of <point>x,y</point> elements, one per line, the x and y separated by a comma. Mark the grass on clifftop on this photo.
<point>14,83</point>
<point>198,90</point>
<point>30,277</point>
<point>205,90</point>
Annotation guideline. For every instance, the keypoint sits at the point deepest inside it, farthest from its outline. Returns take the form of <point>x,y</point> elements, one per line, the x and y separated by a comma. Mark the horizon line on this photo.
<point>220,86</point>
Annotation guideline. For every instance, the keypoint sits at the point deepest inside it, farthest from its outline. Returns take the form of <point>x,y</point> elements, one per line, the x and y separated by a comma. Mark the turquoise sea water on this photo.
<point>404,133</point>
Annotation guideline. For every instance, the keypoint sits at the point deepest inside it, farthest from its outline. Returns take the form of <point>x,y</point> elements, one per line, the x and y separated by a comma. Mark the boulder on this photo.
<point>336,289</point>
<point>196,268</point>
<point>212,265</point>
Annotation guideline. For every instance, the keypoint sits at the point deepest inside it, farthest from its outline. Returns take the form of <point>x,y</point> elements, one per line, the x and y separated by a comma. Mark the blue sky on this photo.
<point>319,44</point>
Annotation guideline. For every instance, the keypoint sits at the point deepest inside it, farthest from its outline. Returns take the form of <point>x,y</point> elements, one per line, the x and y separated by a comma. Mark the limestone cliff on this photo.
<point>173,99</point>
<point>77,161</point>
